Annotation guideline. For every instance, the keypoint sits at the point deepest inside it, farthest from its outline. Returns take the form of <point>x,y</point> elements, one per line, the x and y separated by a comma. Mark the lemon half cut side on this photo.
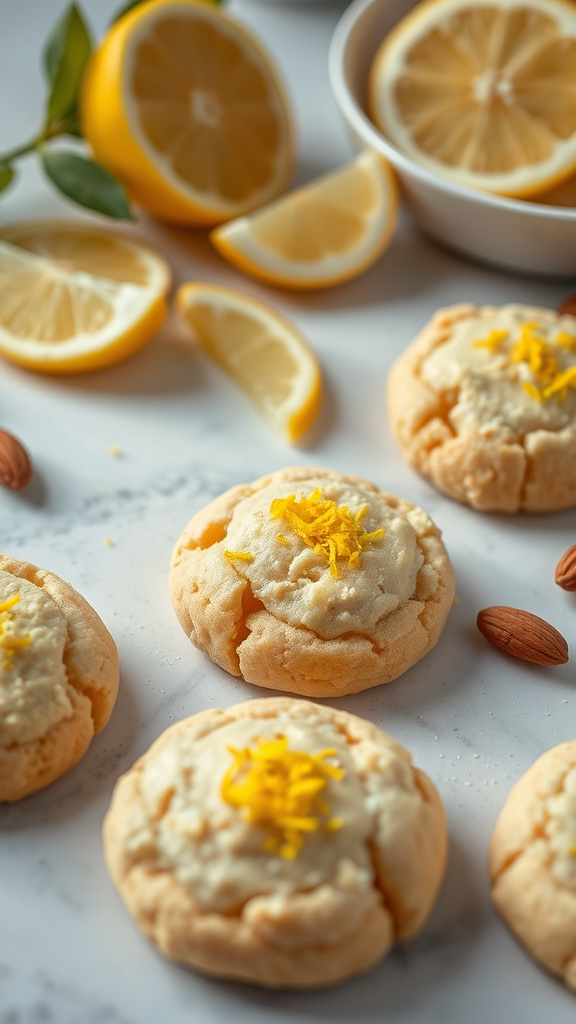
<point>75,298</point>
<point>262,351</point>
<point>483,91</point>
<point>320,235</point>
<point>186,108</point>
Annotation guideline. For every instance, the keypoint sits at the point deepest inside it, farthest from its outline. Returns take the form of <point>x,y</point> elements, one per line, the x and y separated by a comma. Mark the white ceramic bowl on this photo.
<point>511,233</point>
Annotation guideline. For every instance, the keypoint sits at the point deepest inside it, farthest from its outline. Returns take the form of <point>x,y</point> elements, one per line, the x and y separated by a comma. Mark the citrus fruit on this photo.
<point>484,92</point>
<point>74,297</point>
<point>263,352</point>
<point>319,235</point>
<point>184,106</point>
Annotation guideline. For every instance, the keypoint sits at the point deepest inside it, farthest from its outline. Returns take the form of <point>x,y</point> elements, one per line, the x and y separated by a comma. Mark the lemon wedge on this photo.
<point>263,353</point>
<point>484,92</point>
<point>184,106</point>
<point>319,235</point>
<point>76,298</point>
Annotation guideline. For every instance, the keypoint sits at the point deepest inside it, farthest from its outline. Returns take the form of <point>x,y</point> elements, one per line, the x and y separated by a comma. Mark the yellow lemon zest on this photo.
<point>561,384</point>
<point>566,339</point>
<point>9,642</point>
<point>279,789</point>
<point>532,350</point>
<point>492,341</point>
<point>281,539</point>
<point>532,390</point>
<point>330,529</point>
<point>240,556</point>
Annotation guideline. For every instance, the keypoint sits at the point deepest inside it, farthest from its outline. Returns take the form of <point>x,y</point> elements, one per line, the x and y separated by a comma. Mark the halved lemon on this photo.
<point>184,106</point>
<point>261,350</point>
<point>76,298</point>
<point>483,91</point>
<point>317,236</point>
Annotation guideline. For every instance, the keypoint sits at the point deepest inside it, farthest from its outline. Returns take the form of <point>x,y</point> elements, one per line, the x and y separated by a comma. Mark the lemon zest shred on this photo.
<point>331,530</point>
<point>240,556</point>
<point>279,789</point>
<point>532,390</point>
<point>10,643</point>
<point>566,339</point>
<point>532,350</point>
<point>492,341</point>
<point>281,539</point>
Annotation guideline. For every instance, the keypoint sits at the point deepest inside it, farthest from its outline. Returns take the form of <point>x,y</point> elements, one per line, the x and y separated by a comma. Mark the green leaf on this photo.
<point>136,3</point>
<point>6,176</point>
<point>65,57</point>
<point>87,183</point>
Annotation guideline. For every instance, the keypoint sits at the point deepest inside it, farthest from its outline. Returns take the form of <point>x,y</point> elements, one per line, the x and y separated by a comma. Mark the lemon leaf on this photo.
<point>65,56</point>
<point>87,183</point>
<point>6,176</point>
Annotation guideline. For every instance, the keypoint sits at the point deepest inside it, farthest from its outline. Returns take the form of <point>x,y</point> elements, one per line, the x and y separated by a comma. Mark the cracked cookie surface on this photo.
<point>58,677</point>
<point>258,584</point>
<point>483,403</point>
<point>201,883</point>
<point>532,861</point>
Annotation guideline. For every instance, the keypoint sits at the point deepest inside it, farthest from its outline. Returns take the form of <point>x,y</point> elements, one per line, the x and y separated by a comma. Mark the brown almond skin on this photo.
<point>565,575</point>
<point>15,464</point>
<point>568,306</point>
<point>523,635</point>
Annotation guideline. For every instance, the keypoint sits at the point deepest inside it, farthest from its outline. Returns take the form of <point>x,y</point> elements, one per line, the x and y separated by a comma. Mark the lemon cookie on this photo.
<point>532,861</point>
<point>279,842</point>
<point>312,582</point>
<point>58,677</point>
<point>483,403</point>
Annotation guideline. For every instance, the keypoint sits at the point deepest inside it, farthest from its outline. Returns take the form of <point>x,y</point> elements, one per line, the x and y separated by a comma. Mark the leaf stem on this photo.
<point>50,131</point>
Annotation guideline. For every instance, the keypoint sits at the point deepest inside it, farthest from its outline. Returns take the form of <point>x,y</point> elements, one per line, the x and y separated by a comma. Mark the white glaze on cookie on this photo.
<point>33,683</point>
<point>489,388</point>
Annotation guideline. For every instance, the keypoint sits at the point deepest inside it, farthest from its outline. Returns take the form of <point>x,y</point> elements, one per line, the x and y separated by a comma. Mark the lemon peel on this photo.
<point>532,350</point>
<point>280,789</point>
<point>330,529</point>
<point>10,643</point>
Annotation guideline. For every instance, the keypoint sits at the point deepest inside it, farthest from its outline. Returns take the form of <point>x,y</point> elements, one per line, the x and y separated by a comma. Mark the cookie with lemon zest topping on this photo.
<point>483,403</point>
<point>353,589</point>
<point>278,842</point>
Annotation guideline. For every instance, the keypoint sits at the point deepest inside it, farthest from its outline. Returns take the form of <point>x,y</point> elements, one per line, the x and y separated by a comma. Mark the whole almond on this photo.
<point>568,307</point>
<point>15,465</point>
<point>523,635</point>
<point>565,575</point>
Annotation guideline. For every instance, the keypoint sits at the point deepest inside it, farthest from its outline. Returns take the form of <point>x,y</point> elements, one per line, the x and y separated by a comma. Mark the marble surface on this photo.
<point>473,719</point>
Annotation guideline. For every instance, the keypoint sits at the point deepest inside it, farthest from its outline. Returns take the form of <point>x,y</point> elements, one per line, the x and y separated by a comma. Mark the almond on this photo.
<point>565,575</point>
<point>523,635</point>
<point>15,465</point>
<point>568,307</point>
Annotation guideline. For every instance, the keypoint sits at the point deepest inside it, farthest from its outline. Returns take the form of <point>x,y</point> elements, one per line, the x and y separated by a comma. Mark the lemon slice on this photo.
<point>264,353</point>
<point>186,108</point>
<point>75,298</point>
<point>319,235</point>
<point>483,91</point>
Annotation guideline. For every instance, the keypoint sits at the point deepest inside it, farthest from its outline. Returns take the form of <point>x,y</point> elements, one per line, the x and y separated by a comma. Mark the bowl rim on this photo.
<point>354,114</point>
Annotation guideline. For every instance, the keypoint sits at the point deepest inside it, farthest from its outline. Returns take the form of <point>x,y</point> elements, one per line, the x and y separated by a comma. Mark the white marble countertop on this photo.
<point>474,720</point>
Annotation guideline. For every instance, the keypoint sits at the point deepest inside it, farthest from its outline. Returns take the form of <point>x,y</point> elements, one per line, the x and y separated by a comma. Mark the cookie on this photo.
<point>312,582</point>
<point>279,842</point>
<point>532,861</point>
<point>483,403</point>
<point>58,677</point>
